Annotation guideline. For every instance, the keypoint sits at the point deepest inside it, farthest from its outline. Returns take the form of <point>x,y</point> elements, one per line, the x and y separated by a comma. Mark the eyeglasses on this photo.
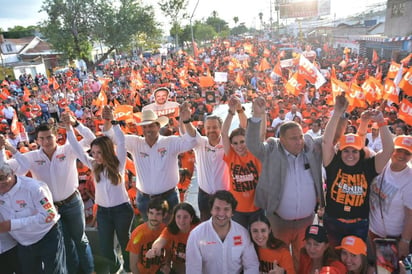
<point>238,143</point>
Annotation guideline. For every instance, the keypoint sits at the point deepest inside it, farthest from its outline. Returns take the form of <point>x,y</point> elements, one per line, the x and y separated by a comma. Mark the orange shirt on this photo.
<point>140,242</point>
<point>282,255</point>
<point>305,265</point>
<point>187,160</point>
<point>244,176</point>
<point>176,245</point>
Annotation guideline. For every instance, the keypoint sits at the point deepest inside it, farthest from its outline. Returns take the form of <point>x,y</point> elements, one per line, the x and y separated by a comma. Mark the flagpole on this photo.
<point>191,27</point>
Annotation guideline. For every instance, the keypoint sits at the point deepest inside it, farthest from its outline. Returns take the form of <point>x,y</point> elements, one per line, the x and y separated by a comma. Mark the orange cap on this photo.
<point>353,244</point>
<point>403,142</point>
<point>351,140</point>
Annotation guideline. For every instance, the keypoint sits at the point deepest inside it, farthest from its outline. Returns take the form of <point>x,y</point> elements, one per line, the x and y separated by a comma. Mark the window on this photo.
<point>9,48</point>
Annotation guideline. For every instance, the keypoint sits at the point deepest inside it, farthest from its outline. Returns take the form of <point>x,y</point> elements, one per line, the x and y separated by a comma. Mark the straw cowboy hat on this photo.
<point>149,117</point>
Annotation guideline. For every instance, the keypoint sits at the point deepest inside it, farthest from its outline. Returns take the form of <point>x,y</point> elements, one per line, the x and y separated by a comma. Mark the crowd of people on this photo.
<point>304,181</point>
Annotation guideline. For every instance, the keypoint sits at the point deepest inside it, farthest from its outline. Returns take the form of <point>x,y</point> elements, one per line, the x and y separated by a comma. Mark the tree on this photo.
<point>217,23</point>
<point>205,32</point>
<point>239,29</point>
<point>261,19</point>
<point>73,26</point>
<point>236,20</point>
<point>20,31</point>
<point>175,10</point>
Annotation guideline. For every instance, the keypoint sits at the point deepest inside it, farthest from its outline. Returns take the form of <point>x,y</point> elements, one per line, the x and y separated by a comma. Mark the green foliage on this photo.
<point>19,32</point>
<point>204,32</point>
<point>217,23</point>
<point>239,29</point>
<point>73,26</point>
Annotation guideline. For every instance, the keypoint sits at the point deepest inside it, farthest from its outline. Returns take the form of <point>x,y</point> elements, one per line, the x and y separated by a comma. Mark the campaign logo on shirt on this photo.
<point>61,157</point>
<point>162,151</point>
<point>21,203</point>
<point>237,240</point>
<point>40,162</point>
<point>143,155</point>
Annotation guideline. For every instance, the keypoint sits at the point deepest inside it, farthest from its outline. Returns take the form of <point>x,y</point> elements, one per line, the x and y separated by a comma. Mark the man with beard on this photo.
<point>212,171</point>
<point>161,105</point>
<point>143,237</point>
<point>221,245</point>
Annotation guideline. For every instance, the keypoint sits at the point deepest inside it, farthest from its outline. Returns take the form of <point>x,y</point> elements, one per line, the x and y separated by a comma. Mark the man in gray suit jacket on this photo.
<point>290,184</point>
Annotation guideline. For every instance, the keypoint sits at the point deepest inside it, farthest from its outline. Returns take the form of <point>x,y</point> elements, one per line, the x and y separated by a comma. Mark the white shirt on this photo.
<point>29,206</point>
<point>289,116</point>
<point>314,134</point>
<point>207,254</point>
<point>6,241</point>
<point>395,195</point>
<point>59,173</point>
<point>107,194</point>
<point>212,171</point>
<point>157,166</point>
<point>375,145</point>
<point>299,195</point>
<point>8,112</point>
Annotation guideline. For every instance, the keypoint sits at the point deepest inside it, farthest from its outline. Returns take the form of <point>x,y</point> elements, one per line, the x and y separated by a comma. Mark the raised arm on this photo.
<point>383,156</point>
<point>185,119</point>
<point>233,106</point>
<point>253,131</point>
<point>328,150</point>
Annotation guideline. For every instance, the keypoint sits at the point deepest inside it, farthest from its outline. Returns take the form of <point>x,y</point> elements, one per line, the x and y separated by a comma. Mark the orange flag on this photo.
<point>14,127</point>
<point>136,81</point>
<point>390,91</point>
<point>206,81</point>
<point>406,83</point>
<point>405,111</point>
<point>123,112</point>
<point>26,94</point>
<point>266,52</point>
<point>264,65</point>
<point>239,80</point>
<point>295,84</point>
<point>393,70</point>
<point>375,57</point>
<point>310,73</point>
<point>338,87</point>
<point>101,99</point>
<point>356,97</point>
<point>372,90</point>
<point>278,69</point>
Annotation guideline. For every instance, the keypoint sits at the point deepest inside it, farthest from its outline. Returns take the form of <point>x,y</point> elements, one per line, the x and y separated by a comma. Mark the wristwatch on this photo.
<point>187,121</point>
<point>114,122</point>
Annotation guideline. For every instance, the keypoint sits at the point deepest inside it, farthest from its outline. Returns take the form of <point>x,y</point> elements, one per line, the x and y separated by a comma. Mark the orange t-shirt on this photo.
<point>187,160</point>
<point>176,245</point>
<point>140,242</point>
<point>282,255</point>
<point>305,265</point>
<point>244,176</point>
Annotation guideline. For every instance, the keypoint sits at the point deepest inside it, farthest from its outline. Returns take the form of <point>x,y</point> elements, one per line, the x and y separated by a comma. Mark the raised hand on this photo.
<point>259,107</point>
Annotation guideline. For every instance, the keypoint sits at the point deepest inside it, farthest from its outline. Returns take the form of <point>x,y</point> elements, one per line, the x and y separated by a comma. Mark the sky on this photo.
<point>26,12</point>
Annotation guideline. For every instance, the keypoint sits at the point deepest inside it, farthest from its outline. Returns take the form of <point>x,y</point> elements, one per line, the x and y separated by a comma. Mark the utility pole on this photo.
<point>191,28</point>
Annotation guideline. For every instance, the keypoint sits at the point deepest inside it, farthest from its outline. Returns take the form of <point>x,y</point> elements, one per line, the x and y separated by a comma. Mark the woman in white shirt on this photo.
<point>114,214</point>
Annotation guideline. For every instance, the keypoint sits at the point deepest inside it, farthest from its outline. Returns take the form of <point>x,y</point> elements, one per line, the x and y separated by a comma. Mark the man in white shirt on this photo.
<point>56,166</point>
<point>32,220</point>
<point>374,139</point>
<point>316,130</point>
<point>221,245</point>
<point>294,111</point>
<point>278,121</point>
<point>162,106</point>
<point>8,252</point>
<point>156,157</point>
<point>212,171</point>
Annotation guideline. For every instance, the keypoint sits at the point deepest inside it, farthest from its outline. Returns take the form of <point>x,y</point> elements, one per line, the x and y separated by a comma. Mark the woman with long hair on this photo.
<point>244,167</point>
<point>353,255</point>
<point>274,256</point>
<point>174,238</point>
<point>114,213</point>
<point>317,253</point>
